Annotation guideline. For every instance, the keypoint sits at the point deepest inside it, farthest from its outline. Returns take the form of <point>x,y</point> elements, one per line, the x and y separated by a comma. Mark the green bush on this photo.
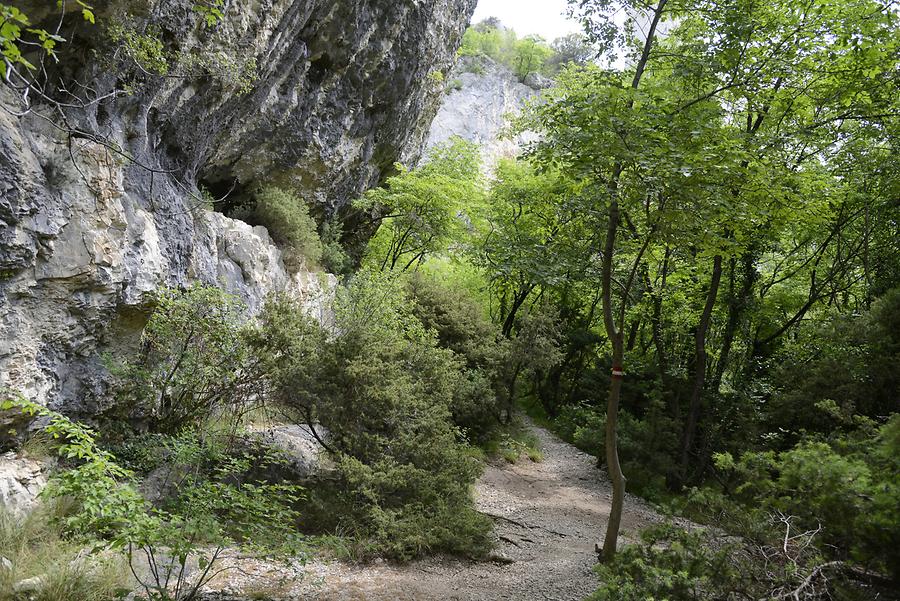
<point>461,326</point>
<point>212,503</point>
<point>334,258</point>
<point>838,370</point>
<point>382,388</point>
<point>850,491</point>
<point>669,564</point>
<point>750,552</point>
<point>646,444</point>
<point>192,365</point>
<point>287,218</point>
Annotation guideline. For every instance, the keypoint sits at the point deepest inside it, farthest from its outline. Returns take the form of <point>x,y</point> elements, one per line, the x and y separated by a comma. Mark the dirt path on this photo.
<point>548,515</point>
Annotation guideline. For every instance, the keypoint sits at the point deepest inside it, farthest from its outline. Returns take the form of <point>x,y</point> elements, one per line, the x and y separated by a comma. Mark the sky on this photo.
<point>543,17</point>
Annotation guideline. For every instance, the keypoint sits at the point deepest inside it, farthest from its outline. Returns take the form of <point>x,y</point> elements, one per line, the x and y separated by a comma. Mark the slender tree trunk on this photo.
<point>518,298</point>
<point>690,429</point>
<point>613,466</point>
<point>662,358</point>
<point>737,304</point>
<point>632,334</point>
<point>616,477</point>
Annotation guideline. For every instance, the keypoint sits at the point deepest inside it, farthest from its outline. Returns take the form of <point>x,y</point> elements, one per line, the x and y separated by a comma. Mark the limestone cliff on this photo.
<point>482,98</point>
<point>325,95</point>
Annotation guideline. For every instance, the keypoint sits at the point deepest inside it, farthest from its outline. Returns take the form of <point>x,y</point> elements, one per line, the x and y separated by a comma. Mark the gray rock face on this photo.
<point>481,109</point>
<point>84,252</point>
<point>91,225</point>
<point>21,481</point>
<point>299,445</point>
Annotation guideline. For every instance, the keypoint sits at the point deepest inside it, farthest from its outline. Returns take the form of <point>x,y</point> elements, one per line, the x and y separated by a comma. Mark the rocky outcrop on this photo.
<point>482,99</point>
<point>21,481</point>
<point>97,214</point>
<point>86,251</point>
<point>300,446</point>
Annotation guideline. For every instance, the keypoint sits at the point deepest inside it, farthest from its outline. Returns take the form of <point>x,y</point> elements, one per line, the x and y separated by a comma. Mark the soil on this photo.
<point>548,516</point>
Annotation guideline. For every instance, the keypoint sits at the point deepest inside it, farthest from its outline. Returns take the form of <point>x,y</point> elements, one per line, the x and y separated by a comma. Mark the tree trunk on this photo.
<point>690,430</point>
<point>737,305</point>
<point>614,468</point>
<point>518,298</point>
<point>613,333</point>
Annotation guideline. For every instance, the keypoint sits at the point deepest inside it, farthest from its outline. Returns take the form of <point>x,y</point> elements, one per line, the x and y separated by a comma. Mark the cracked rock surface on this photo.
<point>482,100</point>
<point>91,224</point>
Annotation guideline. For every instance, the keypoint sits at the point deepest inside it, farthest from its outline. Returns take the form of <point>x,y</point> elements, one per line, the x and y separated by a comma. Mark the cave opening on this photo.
<point>319,69</point>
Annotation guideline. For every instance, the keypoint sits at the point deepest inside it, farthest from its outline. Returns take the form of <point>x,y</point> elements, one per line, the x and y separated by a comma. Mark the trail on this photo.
<point>547,517</point>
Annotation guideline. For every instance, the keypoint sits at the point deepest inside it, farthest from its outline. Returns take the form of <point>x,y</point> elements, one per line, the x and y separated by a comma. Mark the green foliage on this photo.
<point>513,442</point>
<point>523,56</point>
<point>212,504</point>
<point>101,489</point>
<point>534,236</point>
<point>722,224</point>
<point>848,489</point>
<point>15,32</point>
<point>454,85</point>
<point>647,443</point>
<point>461,326</point>
<point>671,564</point>
<point>848,368</point>
<point>382,388</point>
<point>574,49</point>
<point>211,12</point>
<point>193,364</point>
<point>419,208</point>
<point>528,355</point>
<point>334,258</point>
<point>287,218</point>
<point>408,476</point>
<point>205,512</point>
<point>487,40</point>
<point>531,54</point>
<point>145,47</point>
<point>141,53</point>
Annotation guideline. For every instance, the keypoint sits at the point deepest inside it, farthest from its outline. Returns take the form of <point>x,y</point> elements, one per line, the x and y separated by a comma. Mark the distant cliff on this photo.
<point>482,97</point>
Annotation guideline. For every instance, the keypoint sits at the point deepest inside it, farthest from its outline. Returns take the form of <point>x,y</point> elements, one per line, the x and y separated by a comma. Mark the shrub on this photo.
<point>193,362</point>
<point>750,552</point>
<point>334,258</point>
<point>646,443</point>
<point>849,491</point>
<point>287,218</point>
<point>529,355</point>
<point>209,509</point>
<point>461,326</point>
<point>671,564</point>
<point>850,367</point>
<point>675,564</point>
<point>382,389</point>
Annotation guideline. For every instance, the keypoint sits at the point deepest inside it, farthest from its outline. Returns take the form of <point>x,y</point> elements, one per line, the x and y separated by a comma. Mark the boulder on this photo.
<point>21,481</point>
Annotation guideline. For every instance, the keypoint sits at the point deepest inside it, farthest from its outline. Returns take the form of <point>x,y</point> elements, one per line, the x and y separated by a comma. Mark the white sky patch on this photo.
<point>545,18</point>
